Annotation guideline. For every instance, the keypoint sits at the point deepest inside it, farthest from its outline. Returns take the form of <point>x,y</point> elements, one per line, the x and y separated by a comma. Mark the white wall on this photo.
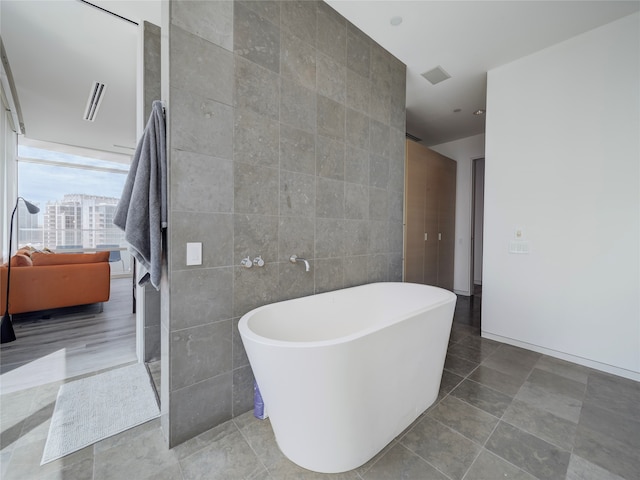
<point>463,152</point>
<point>563,163</point>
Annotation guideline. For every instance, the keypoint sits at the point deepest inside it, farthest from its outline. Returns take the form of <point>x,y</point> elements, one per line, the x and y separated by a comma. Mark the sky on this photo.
<point>40,183</point>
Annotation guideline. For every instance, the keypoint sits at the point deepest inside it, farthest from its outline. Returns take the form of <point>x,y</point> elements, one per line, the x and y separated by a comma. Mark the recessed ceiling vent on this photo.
<point>412,137</point>
<point>96,95</point>
<point>436,75</point>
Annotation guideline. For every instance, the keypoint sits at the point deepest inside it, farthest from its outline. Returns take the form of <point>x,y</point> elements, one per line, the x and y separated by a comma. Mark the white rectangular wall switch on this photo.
<point>194,253</point>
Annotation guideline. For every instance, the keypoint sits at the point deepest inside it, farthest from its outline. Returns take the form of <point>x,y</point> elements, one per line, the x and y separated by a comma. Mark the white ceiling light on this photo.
<point>96,94</point>
<point>436,75</point>
<point>395,21</point>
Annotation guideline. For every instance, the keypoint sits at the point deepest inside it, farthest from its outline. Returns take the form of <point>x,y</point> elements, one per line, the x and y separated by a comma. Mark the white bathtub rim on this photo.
<point>246,332</point>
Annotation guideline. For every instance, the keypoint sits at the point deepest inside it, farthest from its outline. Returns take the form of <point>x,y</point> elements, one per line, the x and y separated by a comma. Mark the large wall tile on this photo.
<point>211,20</point>
<point>242,390</point>
<point>329,158</point>
<point>255,235</point>
<point>297,194</point>
<point>297,106</point>
<point>356,237</point>
<point>199,353</point>
<point>201,296</point>
<point>357,129</point>
<point>380,105</point>
<point>379,139</point>
<point>332,33</point>
<point>395,267</point>
<point>299,18</point>
<point>215,195</point>
<point>294,281</point>
<point>381,69</point>
<point>396,205</point>
<point>199,406</point>
<point>329,198</point>
<point>329,237</point>
<point>396,172</point>
<point>331,118</point>
<point>255,189</point>
<point>329,274</point>
<point>398,98</point>
<point>256,39</point>
<point>298,60</point>
<point>201,125</point>
<point>267,9</point>
<point>378,171</point>
<point>256,139</point>
<point>356,165</point>
<point>358,92</point>
<point>378,204</point>
<point>356,201</point>
<point>214,230</point>
<point>257,88</point>
<point>378,241</point>
<point>378,268</point>
<point>296,236</point>
<point>356,271</point>
<point>358,51</point>
<point>213,64</point>
<point>240,358</point>
<point>395,236</point>
<point>331,78</point>
<point>297,150</point>
<point>254,287</point>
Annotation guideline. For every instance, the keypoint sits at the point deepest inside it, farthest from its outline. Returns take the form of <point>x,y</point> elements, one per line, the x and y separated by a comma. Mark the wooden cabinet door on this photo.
<point>415,177</point>
<point>430,195</point>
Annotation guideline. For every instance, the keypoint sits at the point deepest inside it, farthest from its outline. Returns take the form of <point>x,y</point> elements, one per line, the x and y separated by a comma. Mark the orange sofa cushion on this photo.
<point>40,259</point>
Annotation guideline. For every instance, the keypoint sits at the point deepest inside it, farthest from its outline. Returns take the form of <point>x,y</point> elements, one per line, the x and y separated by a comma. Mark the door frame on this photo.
<point>472,256</point>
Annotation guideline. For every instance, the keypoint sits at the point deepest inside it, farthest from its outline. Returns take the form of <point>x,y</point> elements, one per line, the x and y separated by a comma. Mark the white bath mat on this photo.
<point>98,407</point>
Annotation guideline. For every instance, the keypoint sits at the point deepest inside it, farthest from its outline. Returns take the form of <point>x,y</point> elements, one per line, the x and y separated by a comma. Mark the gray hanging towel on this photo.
<point>142,210</point>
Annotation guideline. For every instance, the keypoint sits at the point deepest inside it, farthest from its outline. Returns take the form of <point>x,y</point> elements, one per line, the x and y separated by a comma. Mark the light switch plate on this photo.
<point>194,253</point>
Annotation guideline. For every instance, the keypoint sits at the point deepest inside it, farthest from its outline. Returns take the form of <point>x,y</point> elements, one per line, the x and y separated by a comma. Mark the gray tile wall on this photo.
<point>286,128</point>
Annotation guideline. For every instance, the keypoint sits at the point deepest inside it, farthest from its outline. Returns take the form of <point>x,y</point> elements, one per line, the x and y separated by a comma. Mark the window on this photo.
<point>77,196</point>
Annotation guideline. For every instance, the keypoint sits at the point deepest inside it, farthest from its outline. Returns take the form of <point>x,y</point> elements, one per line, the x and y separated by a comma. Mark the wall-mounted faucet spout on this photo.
<point>296,259</point>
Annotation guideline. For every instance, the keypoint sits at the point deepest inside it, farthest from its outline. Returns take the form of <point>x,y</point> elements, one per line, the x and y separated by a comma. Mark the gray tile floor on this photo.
<point>503,412</point>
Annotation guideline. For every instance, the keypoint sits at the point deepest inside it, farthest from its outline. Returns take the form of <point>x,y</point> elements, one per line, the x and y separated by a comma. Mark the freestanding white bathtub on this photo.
<point>343,373</point>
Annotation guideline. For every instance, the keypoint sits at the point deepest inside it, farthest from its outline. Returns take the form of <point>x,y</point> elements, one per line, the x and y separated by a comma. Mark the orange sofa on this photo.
<point>42,281</point>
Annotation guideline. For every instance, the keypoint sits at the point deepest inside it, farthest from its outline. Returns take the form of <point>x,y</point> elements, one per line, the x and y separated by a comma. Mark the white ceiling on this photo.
<point>467,39</point>
<point>57,48</point>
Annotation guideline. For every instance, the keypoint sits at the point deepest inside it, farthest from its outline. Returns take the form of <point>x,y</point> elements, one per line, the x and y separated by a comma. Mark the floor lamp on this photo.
<point>6,328</point>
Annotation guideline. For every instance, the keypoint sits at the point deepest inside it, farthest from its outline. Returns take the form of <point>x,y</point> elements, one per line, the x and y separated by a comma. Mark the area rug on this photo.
<point>97,407</point>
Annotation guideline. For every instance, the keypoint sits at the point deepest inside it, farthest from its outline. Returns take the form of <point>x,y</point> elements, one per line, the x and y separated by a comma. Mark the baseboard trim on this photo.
<point>603,367</point>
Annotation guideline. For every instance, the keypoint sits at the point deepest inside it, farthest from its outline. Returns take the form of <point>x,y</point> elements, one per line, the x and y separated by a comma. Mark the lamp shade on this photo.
<point>31,207</point>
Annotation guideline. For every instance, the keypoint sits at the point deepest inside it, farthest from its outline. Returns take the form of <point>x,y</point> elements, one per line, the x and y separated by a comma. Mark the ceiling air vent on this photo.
<point>412,137</point>
<point>436,75</point>
<point>95,99</point>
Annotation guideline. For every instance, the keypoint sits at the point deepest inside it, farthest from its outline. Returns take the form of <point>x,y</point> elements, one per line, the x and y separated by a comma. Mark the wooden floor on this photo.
<point>71,342</point>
